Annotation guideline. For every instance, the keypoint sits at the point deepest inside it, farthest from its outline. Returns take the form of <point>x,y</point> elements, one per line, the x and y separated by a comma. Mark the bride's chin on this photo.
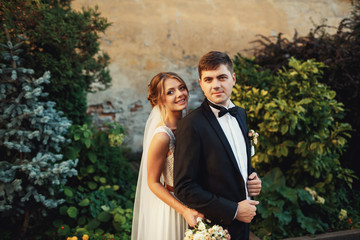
<point>181,109</point>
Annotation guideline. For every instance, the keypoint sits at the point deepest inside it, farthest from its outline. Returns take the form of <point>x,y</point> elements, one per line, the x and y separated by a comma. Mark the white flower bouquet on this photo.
<point>205,231</point>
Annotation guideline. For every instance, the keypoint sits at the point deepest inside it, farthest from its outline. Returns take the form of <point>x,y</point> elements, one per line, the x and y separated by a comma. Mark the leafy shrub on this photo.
<point>301,133</point>
<point>100,201</point>
<point>340,52</point>
<point>285,211</point>
<point>299,121</point>
<point>64,42</point>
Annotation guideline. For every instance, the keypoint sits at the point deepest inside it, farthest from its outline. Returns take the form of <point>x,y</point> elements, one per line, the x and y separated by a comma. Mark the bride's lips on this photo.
<point>182,101</point>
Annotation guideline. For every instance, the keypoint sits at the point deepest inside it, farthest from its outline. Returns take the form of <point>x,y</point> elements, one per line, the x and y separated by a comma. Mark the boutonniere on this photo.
<point>253,140</point>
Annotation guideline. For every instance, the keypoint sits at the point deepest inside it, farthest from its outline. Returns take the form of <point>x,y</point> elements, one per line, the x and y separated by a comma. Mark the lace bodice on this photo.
<point>168,171</point>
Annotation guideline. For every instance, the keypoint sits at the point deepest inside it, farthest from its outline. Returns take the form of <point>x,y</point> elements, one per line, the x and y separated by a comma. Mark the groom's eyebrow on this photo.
<point>207,78</point>
<point>221,75</point>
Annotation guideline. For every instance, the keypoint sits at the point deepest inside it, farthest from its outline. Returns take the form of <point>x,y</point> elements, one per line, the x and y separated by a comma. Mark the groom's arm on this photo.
<point>187,168</point>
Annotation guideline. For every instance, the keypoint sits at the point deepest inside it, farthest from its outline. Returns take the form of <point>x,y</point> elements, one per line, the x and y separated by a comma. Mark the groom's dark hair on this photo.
<point>212,60</point>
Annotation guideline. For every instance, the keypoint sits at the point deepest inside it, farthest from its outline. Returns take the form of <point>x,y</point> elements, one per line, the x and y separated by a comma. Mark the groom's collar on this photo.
<point>216,111</point>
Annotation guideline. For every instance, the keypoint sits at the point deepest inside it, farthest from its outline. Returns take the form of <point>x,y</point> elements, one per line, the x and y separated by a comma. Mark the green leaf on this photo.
<point>90,169</point>
<point>93,224</point>
<point>329,178</point>
<point>68,192</point>
<point>87,143</point>
<point>87,133</point>
<point>85,202</point>
<point>305,196</point>
<point>284,129</point>
<point>118,226</point>
<point>305,101</point>
<point>276,176</point>
<point>63,210</point>
<point>313,146</point>
<point>102,180</point>
<point>284,217</point>
<point>290,194</point>
<point>105,208</point>
<point>119,218</point>
<point>307,223</point>
<point>99,231</point>
<point>104,216</point>
<point>81,221</point>
<point>92,157</point>
<point>76,137</point>
<point>92,185</point>
<point>289,143</point>
<point>72,212</point>
<point>284,150</point>
<point>332,94</point>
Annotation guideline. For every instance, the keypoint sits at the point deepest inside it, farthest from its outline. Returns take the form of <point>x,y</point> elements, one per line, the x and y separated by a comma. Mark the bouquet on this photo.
<point>204,231</point>
<point>253,140</point>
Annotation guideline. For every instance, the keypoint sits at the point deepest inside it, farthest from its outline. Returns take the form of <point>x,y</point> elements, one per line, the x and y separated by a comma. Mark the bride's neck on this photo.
<point>172,119</point>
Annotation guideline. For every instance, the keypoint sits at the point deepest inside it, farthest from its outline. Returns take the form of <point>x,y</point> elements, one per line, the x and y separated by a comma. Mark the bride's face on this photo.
<point>176,95</point>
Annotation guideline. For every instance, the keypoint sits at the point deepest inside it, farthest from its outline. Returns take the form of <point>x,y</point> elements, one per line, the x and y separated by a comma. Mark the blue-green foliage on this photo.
<point>31,135</point>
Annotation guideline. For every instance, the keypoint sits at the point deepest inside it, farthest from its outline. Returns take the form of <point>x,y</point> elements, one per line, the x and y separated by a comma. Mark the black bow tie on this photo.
<point>223,110</point>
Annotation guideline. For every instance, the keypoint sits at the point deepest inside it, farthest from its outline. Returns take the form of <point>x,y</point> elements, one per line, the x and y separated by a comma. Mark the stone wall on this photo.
<point>149,36</point>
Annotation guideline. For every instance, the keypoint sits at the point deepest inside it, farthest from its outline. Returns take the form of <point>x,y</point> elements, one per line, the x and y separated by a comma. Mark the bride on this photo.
<point>158,214</point>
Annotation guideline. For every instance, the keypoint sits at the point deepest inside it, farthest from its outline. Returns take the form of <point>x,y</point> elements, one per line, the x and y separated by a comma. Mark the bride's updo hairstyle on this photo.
<point>156,89</point>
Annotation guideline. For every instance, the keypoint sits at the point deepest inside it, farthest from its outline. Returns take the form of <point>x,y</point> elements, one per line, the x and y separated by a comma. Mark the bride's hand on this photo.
<point>191,215</point>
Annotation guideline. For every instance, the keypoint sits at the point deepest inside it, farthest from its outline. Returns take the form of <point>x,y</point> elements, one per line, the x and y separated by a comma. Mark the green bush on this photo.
<point>340,52</point>
<point>100,201</point>
<point>301,134</point>
<point>285,211</point>
<point>66,43</point>
<point>97,202</point>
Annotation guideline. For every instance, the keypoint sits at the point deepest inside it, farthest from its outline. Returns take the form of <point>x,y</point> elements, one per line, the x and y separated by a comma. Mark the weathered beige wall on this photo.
<point>149,36</point>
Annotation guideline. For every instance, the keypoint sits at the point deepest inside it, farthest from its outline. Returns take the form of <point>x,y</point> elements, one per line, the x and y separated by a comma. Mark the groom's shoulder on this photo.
<point>194,114</point>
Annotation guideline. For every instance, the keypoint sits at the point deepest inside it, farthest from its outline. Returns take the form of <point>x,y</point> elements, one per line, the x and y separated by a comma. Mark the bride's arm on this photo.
<point>156,159</point>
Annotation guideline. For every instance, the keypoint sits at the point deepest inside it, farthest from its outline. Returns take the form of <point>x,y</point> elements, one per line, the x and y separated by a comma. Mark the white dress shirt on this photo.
<point>234,135</point>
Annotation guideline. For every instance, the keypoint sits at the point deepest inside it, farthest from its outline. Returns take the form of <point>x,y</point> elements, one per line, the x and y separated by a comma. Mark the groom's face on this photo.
<point>217,84</point>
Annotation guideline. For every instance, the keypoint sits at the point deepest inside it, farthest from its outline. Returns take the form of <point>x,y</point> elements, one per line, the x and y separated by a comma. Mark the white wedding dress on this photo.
<point>153,219</point>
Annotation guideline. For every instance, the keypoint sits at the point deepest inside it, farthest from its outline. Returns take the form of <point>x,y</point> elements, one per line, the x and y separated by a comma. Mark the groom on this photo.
<point>212,169</point>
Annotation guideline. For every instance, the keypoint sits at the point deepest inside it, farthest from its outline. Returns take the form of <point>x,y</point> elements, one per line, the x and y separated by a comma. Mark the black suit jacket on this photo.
<point>206,175</point>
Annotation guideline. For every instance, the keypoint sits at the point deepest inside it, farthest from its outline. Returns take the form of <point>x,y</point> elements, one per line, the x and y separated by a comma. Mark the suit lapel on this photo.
<point>219,132</point>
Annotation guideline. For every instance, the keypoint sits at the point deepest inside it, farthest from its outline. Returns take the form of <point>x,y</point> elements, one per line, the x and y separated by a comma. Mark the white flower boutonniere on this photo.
<point>253,140</point>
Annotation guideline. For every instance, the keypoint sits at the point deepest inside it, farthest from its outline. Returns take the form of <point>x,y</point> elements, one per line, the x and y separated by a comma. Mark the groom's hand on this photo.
<point>253,184</point>
<point>246,210</point>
